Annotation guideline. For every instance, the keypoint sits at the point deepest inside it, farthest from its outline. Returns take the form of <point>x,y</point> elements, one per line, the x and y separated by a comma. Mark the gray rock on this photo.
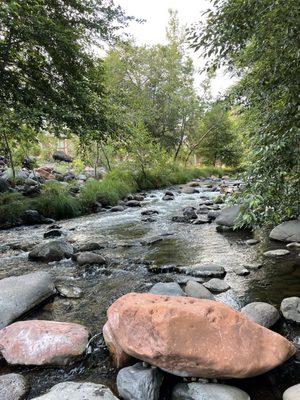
<point>252,242</point>
<point>189,213</point>
<point>78,391</point>
<point>62,156</point>
<point>149,212</point>
<point>290,308</point>
<point>213,214</point>
<point>13,387</point>
<point>201,221</point>
<point>55,250</point>
<point>181,219</point>
<point>242,272</point>
<point>293,245</point>
<point>253,267</point>
<point>262,313</point>
<point>19,294</point>
<point>208,270</point>
<point>288,231</point>
<point>168,197</point>
<point>91,246</point>
<point>139,382</point>
<point>276,253</point>
<point>33,217</point>
<point>52,233</point>
<point>183,279</point>
<point>195,289</point>
<point>189,190</point>
<point>117,209</point>
<point>167,289</point>
<point>207,391</point>
<point>228,216</point>
<point>152,240</point>
<point>133,203</point>
<point>292,393</point>
<point>88,258</point>
<point>162,269</point>
<point>217,285</point>
<point>71,292</point>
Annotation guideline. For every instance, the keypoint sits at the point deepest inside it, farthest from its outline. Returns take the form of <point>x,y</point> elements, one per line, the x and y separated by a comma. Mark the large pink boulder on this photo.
<point>191,337</point>
<point>42,342</point>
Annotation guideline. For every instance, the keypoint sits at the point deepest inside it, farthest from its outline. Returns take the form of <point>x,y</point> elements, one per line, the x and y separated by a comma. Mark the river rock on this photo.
<point>213,214</point>
<point>290,308</point>
<point>38,342</point>
<point>201,338</point>
<point>52,233</point>
<point>167,289</point>
<point>293,245</point>
<point>33,217</point>
<point>117,209</point>
<point>168,197</point>
<point>133,203</point>
<point>181,219</point>
<point>55,250</point>
<point>252,242</point>
<point>149,212</point>
<point>78,391</point>
<point>190,213</point>
<point>189,190</point>
<point>19,294</point>
<point>139,382</point>
<point>207,270</point>
<point>61,156</point>
<point>262,313</point>
<point>195,289</point>
<point>288,231</point>
<point>276,253</point>
<point>217,285</point>
<point>207,391</point>
<point>292,393</point>
<point>88,258</point>
<point>201,221</point>
<point>228,216</point>
<point>90,246</point>
<point>71,292</point>
<point>13,387</point>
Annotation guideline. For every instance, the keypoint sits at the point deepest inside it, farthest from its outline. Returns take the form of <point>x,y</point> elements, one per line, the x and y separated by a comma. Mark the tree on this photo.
<point>47,72</point>
<point>258,40</point>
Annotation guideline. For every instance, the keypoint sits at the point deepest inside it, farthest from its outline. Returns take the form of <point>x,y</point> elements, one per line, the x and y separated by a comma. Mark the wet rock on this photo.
<point>208,202</point>
<point>167,289</point>
<point>61,156</point>
<point>193,184</point>
<point>217,285</point>
<point>276,253</point>
<point>201,221</point>
<point>183,279</point>
<point>169,193</point>
<point>139,382</point>
<point>162,269</point>
<point>55,250</point>
<point>13,387</point>
<point>208,270</point>
<point>138,197</point>
<point>133,203</point>
<point>262,313</point>
<point>292,393</point>
<point>242,272</point>
<point>290,308</point>
<point>189,190</point>
<point>42,342</point>
<point>228,216</point>
<point>33,217</point>
<point>117,209</point>
<point>252,242</point>
<point>78,391</point>
<point>152,240</point>
<point>52,233</point>
<point>203,209</point>
<point>71,292</point>
<point>91,246</point>
<point>213,214</point>
<point>190,331</point>
<point>149,212</point>
<point>168,197</point>
<point>88,258</point>
<point>288,231</point>
<point>253,266</point>
<point>190,213</point>
<point>223,228</point>
<point>293,245</point>
<point>19,294</point>
<point>148,219</point>
<point>195,289</point>
<point>207,391</point>
<point>179,218</point>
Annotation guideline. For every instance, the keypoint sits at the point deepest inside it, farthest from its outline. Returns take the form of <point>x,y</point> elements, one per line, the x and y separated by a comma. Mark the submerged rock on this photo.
<point>55,250</point>
<point>190,332</point>
<point>167,289</point>
<point>290,308</point>
<point>42,342</point>
<point>262,313</point>
<point>195,289</point>
<point>13,387</point>
<point>19,294</point>
<point>207,391</point>
<point>292,393</point>
<point>276,253</point>
<point>139,382</point>
<point>78,391</point>
<point>288,231</point>
<point>52,233</point>
<point>228,216</point>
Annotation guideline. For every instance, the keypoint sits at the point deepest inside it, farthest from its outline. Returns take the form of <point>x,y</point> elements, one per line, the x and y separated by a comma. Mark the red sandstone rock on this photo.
<point>45,172</point>
<point>191,337</point>
<point>42,342</point>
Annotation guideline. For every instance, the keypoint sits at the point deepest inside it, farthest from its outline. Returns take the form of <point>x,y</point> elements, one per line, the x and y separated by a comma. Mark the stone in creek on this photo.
<point>183,279</point>
<point>71,292</point>
<point>117,209</point>
<point>179,218</point>
<point>78,391</point>
<point>133,203</point>
<point>213,214</point>
<point>167,289</point>
<point>88,258</point>
<point>189,190</point>
<point>162,269</point>
<point>198,338</point>
<point>290,308</point>
<point>19,294</point>
<point>148,219</point>
<point>91,246</point>
<point>252,242</point>
<point>217,285</point>
<point>53,233</point>
<point>13,387</point>
<point>193,184</point>
<point>242,272</point>
<point>168,197</point>
<point>33,217</point>
<point>292,393</point>
<point>276,253</point>
<point>208,270</point>
<point>190,213</point>
<point>195,289</point>
<point>293,245</point>
<point>207,391</point>
<point>201,221</point>
<point>253,267</point>
<point>55,250</point>
<point>39,342</point>
<point>288,231</point>
<point>262,313</point>
<point>149,212</point>
<point>228,216</point>
<point>139,382</point>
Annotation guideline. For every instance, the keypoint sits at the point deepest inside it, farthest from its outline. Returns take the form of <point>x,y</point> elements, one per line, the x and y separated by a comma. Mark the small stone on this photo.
<point>88,258</point>
<point>117,209</point>
<point>189,213</point>
<point>52,233</point>
<point>195,289</point>
<point>290,308</point>
<point>253,267</point>
<point>149,212</point>
<point>168,197</point>
<point>183,279</point>
<point>189,190</point>
<point>91,246</point>
<point>133,203</point>
<point>262,313</point>
<point>71,292</point>
<point>167,289</point>
<point>276,253</point>
<point>242,272</point>
<point>252,242</point>
<point>201,221</point>
<point>217,285</point>
<point>293,245</point>
<point>292,393</point>
<point>13,387</point>
<point>207,391</point>
<point>162,269</point>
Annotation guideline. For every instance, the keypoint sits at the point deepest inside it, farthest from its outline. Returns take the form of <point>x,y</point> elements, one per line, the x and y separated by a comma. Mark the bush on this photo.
<point>12,207</point>
<point>56,202</point>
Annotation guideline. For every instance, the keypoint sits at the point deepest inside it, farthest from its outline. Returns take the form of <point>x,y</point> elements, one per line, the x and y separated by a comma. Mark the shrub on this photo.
<point>12,207</point>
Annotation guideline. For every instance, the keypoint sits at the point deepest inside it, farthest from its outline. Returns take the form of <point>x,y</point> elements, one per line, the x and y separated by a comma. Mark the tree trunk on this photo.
<point>9,154</point>
<point>106,157</point>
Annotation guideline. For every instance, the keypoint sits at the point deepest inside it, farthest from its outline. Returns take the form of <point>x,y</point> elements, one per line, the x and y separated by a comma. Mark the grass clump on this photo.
<point>56,202</point>
<point>12,207</point>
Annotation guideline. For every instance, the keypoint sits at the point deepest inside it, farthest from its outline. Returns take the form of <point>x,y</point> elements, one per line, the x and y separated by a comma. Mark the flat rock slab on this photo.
<point>262,313</point>
<point>290,308</point>
<point>276,253</point>
<point>191,337</point>
<point>207,391</point>
<point>228,216</point>
<point>13,387</point>
<point>217,285</point>
<point>78,391</point>
<point>292,393</point>
<point>288,231</point>
<point>19,294</point>
<point>208,270</point>
<point>167,289</point>
<point>42,342</point>
<point>55,250</point>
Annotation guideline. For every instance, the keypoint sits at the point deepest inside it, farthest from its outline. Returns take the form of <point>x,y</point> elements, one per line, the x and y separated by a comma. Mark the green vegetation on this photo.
<point>12,207</point>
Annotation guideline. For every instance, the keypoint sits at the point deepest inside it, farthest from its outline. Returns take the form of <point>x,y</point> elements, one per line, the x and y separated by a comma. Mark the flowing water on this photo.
<point>184,245</point>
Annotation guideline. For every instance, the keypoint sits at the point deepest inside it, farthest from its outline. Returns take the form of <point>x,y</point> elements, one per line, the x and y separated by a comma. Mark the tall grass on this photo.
<point>12,207</point>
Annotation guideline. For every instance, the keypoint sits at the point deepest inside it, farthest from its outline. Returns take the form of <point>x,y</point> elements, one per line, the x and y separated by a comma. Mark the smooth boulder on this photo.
<point>19,294</point>
<point>167,289</point>
<point>276,253</point>
<point>288,231</point>
<point>217,285</point>
<point>55,250</point>
<point>290,308</point>
<point>88,258</point>
<point>78,391</point>
<point>262,313</point>
<point>207,391</point>
<point>13,387</point>
<point>38,342</point>
<point>195,289</point>
<point>183,335</point>
<point>228,216</point>
<point>292,393</point>
<point>139,382</point>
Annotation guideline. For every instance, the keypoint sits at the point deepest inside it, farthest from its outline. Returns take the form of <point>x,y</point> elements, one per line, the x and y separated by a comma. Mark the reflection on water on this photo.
<point>183,245</point>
